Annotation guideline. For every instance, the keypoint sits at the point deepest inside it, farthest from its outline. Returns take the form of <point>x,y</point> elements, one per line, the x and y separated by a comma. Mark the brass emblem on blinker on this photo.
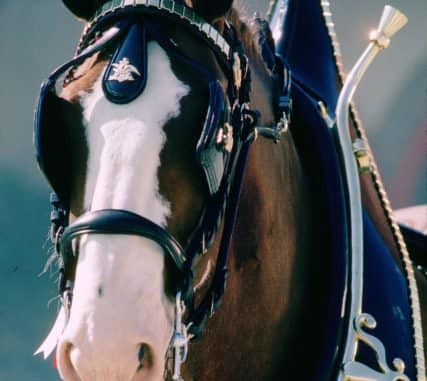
<point>123,71</point>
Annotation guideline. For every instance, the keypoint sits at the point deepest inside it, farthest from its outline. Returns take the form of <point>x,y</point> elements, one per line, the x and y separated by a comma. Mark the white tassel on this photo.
<point>49,344</point>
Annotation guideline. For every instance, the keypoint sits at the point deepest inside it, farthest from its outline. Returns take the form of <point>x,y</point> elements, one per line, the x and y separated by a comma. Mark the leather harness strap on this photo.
<point>116,221</point>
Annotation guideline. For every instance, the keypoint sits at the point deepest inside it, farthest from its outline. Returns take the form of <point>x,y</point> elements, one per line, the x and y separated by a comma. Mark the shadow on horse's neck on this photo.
<point>255,334</point>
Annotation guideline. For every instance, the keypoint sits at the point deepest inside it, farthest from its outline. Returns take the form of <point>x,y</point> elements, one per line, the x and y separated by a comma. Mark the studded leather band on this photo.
<point>169,8</point>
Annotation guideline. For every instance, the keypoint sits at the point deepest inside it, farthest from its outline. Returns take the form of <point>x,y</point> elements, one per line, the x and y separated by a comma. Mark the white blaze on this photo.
<point>119,299</point>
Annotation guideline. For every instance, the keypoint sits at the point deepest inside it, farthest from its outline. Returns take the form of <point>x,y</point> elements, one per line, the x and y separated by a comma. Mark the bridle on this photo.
<point>222,150</point>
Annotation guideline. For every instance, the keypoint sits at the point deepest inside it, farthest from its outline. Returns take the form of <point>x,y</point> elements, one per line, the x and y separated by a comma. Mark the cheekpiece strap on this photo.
<point>207,307</point>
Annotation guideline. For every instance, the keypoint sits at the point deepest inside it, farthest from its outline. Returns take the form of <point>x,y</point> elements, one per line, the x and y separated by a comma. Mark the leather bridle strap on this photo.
<point>213,298</point>
<point>117,221</point>
<point>175,10</point>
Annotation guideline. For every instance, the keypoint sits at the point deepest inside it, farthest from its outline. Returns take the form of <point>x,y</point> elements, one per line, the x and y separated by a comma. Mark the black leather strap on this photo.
<point>117,221</point>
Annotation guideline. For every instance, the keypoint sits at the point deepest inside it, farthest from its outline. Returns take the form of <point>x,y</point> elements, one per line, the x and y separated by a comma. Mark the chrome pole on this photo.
<point>391,22</point>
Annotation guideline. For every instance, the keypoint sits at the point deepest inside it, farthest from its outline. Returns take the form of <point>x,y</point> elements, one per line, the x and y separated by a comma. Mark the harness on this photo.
<point>229,129</point>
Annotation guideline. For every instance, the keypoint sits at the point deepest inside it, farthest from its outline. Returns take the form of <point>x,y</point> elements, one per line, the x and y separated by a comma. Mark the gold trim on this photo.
<point>362,156</point>
<point>407,264</point>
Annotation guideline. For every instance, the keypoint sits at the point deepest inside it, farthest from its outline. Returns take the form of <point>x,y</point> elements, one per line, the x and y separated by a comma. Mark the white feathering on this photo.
<point>49,344</point>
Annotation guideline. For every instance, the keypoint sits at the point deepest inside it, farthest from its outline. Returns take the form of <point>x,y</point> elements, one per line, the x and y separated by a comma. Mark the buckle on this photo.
<point>282,125</point>
<point>363,158</point>
<point>237,70</point>
<point>180,340</point>
<point>224,138</point>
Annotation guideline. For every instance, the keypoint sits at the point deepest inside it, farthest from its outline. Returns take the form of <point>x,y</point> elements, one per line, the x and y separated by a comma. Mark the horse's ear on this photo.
<point>83,9</point>
<point>211,10</point>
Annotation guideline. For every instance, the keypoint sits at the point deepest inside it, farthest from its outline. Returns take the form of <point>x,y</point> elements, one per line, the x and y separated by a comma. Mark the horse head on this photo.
<point>154,166</point>
<point>146,149</point>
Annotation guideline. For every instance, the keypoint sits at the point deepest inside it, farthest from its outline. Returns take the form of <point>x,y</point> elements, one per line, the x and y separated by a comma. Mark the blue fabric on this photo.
<point>306,46</point>
<point>315,142</point>
<point>385,297</point>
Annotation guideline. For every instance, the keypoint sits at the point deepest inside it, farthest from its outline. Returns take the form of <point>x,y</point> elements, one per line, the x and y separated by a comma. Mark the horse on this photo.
<point>147,149</point>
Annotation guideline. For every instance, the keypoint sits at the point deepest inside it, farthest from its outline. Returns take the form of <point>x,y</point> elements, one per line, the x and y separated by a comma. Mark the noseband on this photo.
<point>222,150</point>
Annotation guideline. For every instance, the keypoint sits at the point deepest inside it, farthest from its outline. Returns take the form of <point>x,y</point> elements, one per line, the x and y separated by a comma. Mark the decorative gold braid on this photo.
<point>385,202</point>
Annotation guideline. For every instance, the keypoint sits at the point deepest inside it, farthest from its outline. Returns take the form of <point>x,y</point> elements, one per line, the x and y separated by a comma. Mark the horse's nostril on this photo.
<point>145,357</point>
<point>141,353</point>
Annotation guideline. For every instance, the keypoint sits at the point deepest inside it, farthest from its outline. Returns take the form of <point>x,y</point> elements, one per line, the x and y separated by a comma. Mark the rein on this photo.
<point>222,150</point>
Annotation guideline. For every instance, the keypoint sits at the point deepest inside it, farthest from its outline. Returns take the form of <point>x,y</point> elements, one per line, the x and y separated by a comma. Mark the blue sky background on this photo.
<point>36,36</point>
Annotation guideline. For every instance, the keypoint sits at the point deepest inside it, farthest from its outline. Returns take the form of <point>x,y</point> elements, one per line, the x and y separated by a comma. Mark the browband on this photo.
<point>164,8</point>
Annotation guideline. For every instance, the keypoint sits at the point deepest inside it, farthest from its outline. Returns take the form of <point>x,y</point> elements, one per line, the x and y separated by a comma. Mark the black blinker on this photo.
<point>126,75</point>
